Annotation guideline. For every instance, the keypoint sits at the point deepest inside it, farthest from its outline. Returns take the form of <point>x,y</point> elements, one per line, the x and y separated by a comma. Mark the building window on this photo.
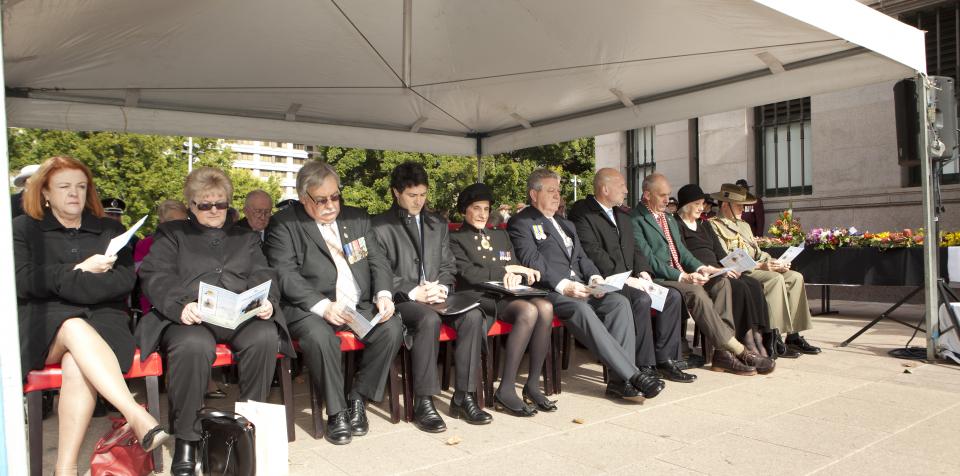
<point>273,173</point>
<point>943,40</point>
<point>273,159</point>
<point>640,163</point>
<point>299,161</point>
<point>244,156</point>
<point>784,153</point>
<point>299,147</point>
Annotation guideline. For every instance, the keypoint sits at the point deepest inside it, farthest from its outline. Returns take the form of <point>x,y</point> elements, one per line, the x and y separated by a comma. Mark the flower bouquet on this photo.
<point>786,231</point>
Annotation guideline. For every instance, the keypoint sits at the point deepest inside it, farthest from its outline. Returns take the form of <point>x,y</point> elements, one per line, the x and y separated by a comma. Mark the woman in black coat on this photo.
<point>486,255</point>
<point>206,248</point>
<point>71,302</point>
<point>749,305</point>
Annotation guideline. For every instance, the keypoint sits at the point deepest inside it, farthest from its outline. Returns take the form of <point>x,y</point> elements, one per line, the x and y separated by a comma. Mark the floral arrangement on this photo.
<point>786,231</point>
<point>833,238</point>
<point>950,239</point>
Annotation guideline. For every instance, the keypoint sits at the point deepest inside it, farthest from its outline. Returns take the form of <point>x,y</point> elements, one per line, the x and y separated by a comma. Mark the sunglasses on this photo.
<point>207,206</point>
<point>323,200</point>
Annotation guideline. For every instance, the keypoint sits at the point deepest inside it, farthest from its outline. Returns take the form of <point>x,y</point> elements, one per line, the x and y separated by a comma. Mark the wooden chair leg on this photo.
<point>35,428</point>
<point>153,406</point>
<point>394,383</point>
<point>556,348</point>
<point>446,357</point>
<point>316,407</point>
<point>481,388</point>
<point>567,348</point>
<point>286,389</point>
<point>408,396</point>
<point>548,368</point>
<point>349,371</point>
<point>487,361</point>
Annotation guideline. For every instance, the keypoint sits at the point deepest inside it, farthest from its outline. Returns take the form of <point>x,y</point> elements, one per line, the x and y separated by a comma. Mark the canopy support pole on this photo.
<point>931,240</point>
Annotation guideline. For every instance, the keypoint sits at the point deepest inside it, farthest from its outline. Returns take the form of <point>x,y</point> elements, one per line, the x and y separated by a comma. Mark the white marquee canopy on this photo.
<point>443,76</point>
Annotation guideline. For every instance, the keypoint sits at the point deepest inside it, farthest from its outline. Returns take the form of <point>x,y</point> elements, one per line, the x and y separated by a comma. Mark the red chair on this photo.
<point>51,377</point>
<point>225,358</point>
<point>447,336</point>
<point>349,344</point>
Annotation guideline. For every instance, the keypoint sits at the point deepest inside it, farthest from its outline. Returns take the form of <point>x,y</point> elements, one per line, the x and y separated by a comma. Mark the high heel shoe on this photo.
<point>546,405</point>
<point>154,438</point>
<point>524,411</point>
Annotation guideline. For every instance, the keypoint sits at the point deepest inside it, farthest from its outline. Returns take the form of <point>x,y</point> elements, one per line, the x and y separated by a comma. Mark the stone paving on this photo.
<point>851,410</point>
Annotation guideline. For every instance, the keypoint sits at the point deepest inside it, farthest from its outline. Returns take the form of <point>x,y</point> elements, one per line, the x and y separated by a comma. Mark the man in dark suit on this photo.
<point>257,209</point>
<point>607,237</point>
<point>417,248</point>
<point>602,322</point>
<point>709,300</point>
<point>330,265</point>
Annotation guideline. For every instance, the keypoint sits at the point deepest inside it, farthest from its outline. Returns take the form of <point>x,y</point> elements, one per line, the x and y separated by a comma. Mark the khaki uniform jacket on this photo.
<point>735,234</point>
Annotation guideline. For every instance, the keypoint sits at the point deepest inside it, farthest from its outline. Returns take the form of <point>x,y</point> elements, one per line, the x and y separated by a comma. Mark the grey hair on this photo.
<point>253,193</point>
<point>313,174</point>
<point>686,209</point>
<point>167,206</point>
<point>536,178</point>
<point>649,180</point>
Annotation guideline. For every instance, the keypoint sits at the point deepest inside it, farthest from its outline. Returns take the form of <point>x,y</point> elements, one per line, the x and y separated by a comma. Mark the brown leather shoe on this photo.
<point>725,361</point>
<point>764,365</point>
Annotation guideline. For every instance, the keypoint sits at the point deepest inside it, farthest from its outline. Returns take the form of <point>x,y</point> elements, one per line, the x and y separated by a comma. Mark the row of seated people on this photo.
<point>327,260</point>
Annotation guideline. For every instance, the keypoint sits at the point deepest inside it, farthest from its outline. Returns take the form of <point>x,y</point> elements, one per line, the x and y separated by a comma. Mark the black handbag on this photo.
<point>227,444</point>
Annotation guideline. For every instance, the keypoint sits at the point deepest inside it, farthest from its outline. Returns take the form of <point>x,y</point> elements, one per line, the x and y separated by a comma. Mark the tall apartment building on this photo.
<point>271,159</point>
<point>831,157</point>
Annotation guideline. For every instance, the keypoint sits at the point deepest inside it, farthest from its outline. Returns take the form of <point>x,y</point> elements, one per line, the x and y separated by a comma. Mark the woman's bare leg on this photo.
<point>77,399</point>
<point>98,365</point>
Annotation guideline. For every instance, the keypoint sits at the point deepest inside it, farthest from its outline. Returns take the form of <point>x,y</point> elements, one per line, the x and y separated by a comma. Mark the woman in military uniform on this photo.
<point>783,288</point>
<point>485,255</point>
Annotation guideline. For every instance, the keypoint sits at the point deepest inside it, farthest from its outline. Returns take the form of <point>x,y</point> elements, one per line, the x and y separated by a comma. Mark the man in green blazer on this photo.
<point>708,300</point>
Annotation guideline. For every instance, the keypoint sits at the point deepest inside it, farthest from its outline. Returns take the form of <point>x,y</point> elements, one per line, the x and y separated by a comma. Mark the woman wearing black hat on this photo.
<point>487,255</point>
<point>749,306</point>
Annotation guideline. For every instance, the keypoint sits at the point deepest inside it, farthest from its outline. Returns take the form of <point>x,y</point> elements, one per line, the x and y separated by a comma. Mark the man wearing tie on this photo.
<point>330,265</point>
<point>607,236</point>
<point>417,248</point>
<point>602,322</point>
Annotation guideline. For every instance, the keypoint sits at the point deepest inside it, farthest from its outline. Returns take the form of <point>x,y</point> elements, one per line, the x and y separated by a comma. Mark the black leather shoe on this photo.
<point>524,410</point>
<point>648,386</point>
<point>184,458</point>
<point>425,416</point>
<point>359,424</point>
<point>338,428</point>
<point>770,343</point>
<point>543,403</point>
<point>693,361</point>
<point>670,370</point>
<point>799,344</point>
<point>462,405</point>
<point>623,390</point>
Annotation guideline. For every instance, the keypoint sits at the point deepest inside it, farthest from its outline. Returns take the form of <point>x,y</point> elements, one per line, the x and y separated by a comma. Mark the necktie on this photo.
<point>348,293</point>
<point>674,256</point>
<point>610,214</point>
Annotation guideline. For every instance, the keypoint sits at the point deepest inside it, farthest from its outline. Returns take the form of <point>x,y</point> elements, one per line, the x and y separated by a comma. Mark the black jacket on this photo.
<point>612,248</point>
<point>49,290</point>
<point>475,264</point>
<point>399,238</point>
<point>547,252</point>
<point>307,273</point>
<point>183,254</point>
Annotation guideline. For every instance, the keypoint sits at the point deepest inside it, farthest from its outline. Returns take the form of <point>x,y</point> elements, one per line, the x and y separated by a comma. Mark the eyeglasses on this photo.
<point>323,200</point>
<point>207,206</point>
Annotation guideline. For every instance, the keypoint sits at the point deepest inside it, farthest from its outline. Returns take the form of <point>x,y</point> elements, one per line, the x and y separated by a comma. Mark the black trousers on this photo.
<point>423,324</point>
<point>604,326</point>
<point>321,350</point>
<point>191,350</point>
<point>749,305</point>
<point>658,338</point>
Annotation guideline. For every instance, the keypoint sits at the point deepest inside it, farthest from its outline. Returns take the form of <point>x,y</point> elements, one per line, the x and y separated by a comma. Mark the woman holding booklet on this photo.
<point>486,255</point>
<point>749,306</point>
<point>207,248</point>
<point>71,302</point>
<point>783,288</point>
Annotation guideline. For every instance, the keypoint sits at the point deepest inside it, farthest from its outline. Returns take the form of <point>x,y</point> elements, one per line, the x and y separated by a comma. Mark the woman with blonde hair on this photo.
<point>71,303</point>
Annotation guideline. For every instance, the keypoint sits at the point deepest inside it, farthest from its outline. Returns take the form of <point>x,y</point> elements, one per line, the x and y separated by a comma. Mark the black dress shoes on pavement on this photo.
<point>184,458</point>
<point>338,428</point>
<point>622,390</point>
<point>463,405</point>
<point>359,425</point>
<point>670,370</point>
<point>648,385</point>
<point>797,343</point>
<point>425,415</point>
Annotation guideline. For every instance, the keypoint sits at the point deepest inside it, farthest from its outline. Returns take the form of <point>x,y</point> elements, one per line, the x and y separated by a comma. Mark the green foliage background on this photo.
<point>145,169</point>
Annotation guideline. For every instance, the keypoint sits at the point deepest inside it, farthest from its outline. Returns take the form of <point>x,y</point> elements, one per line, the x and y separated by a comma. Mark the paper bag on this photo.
<point>271,423</point>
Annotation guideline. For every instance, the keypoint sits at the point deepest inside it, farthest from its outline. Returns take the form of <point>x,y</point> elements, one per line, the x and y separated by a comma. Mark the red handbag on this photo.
<point>118,453</point>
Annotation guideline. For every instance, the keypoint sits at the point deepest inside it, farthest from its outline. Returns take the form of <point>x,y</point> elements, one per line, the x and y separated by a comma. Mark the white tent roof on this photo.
<point>442,76</point>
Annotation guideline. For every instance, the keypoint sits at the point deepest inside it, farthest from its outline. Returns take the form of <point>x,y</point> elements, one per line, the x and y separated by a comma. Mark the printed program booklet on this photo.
<point>658,293</point>
<point>611,283</point>
<point>738,260</point>
<point>791,253</point>
<point>360,325</point>
<point>121,240</point>
<point>228,309</point>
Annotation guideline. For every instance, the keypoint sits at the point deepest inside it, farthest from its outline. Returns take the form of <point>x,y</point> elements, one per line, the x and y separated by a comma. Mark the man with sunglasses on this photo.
<point>331,269</point>
<point>257,209</point>
<point>417,246</point>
